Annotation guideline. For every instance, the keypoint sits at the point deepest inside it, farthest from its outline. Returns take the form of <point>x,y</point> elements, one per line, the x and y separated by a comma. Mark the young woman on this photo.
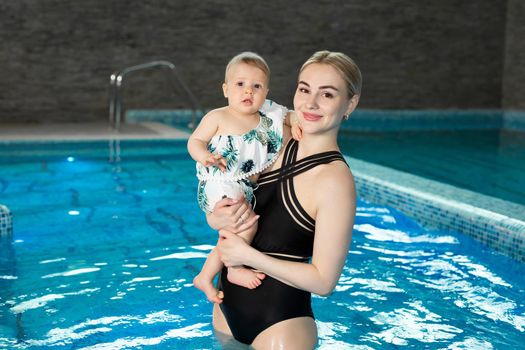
<point>306,204</point>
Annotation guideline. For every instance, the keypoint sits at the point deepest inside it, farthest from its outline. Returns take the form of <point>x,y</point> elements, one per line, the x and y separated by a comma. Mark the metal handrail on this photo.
<point>116,81</point>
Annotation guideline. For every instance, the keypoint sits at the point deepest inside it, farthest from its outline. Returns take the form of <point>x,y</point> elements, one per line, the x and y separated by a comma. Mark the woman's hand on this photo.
<point>295,126</point>
<point>232,215</point>
<point>233,250</point>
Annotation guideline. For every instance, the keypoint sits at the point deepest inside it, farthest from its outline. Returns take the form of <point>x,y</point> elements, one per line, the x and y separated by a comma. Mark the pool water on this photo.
<point>491,162</point>
<point>108,236</point>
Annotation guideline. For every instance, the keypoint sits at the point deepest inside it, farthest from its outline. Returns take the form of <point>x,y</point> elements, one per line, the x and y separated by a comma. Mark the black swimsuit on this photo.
<point>285,231</point>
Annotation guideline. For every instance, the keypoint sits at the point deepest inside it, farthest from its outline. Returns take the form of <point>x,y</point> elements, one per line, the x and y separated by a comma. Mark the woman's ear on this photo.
<point>225,89</point>
<point>352,104</point>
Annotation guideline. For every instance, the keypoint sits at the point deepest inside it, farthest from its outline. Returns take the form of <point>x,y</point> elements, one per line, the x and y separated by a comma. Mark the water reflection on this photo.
<point>8,278</point>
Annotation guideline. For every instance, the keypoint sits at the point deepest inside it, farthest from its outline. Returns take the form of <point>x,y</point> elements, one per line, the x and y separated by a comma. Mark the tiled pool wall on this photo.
<point>181,118</point>
<point>444,207</point>
<point>431,203</point>
<point>494,222</point>
<point>409,120</point>
<point>514,120</point>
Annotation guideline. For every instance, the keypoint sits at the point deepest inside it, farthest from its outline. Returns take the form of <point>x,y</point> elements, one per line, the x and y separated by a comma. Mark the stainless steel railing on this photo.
<point>116,81</point>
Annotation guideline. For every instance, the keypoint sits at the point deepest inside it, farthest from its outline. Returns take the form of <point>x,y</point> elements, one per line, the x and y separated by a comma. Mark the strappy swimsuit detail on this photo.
<point>285,231</point>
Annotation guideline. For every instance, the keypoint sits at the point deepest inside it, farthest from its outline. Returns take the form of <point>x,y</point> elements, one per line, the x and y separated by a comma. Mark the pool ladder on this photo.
<point>116,81</point>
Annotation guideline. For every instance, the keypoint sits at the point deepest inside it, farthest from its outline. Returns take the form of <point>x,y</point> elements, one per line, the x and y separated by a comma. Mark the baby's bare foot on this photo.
<point>245,277</point>
<point>207,288</point>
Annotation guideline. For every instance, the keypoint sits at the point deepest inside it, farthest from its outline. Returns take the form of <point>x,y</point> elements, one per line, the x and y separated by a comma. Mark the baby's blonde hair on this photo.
<point>250,58</point>
<point>346,67</point>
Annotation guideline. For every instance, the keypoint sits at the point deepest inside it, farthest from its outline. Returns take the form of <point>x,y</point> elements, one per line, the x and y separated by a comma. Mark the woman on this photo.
<point>306,204</point>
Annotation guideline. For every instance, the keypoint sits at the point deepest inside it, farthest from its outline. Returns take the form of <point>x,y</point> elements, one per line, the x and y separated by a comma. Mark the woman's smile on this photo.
<point>311,116</point>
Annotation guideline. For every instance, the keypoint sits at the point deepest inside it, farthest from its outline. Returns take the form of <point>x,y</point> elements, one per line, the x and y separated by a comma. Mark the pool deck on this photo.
<point>87,131</point>
<point>494,222</point>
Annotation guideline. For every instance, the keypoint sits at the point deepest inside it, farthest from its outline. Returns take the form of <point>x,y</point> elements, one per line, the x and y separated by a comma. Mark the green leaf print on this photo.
<point>202,199</point>
<point>230,154</point>
<point>275,141</point>
<point>250,136</point>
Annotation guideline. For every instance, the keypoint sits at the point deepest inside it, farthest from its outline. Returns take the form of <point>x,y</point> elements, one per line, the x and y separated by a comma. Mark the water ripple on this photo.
<point>381,234</point>
<point>72,272</point>
<point>43,300</point>
<point>477,299</point>
<point>193,331</point>
<point>183,255</point>
<point>416,323</point>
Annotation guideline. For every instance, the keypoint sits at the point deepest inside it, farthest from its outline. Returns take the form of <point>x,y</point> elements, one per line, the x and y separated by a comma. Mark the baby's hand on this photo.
<point>215,160</point>
<point>297,131</point>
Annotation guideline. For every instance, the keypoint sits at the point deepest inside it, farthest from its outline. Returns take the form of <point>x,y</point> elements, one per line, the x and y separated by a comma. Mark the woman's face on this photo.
<point>321,99</point>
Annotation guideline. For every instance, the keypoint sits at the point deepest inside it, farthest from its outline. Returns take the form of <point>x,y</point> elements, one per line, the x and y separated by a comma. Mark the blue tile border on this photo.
<point>6,221</point>
<point>173,117</point>
<point>514,120</point>
<point>445,207</point>
<point>380,120</point>
<point>413,120</point>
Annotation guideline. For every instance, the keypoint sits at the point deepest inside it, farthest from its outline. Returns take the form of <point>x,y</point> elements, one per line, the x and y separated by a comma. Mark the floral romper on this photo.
<point>245,155</point>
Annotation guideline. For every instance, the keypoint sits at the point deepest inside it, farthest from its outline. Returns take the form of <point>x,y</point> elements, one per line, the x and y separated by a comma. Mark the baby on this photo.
<point>231,146</point>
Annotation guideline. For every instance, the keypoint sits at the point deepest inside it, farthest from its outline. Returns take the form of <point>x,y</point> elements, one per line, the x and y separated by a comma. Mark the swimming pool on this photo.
<point>491,162</point>
<point>466,149</point>
<point>108,236</point>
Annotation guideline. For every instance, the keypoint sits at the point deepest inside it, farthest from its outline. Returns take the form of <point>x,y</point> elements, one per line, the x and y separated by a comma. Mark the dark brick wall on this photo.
<point>514,71</point>
<point>56,55</point>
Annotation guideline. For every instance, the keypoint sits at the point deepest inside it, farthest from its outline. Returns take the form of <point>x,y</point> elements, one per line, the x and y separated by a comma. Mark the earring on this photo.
<point>346,116</point>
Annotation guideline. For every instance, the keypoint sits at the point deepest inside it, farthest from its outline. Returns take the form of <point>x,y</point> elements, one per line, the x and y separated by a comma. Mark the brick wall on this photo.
<point>514,58</point>
<point>56,56</point>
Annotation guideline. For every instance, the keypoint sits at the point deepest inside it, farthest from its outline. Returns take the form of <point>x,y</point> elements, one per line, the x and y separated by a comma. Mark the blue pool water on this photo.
<point>107,238</point>
<point>491,162</point>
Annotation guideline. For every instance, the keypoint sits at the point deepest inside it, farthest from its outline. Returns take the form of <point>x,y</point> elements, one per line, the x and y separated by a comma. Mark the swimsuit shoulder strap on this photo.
<point>291,168</point>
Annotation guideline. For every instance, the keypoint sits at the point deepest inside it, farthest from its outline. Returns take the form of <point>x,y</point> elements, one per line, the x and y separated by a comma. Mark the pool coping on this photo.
<point>88,131</point>
<point>492,221</point>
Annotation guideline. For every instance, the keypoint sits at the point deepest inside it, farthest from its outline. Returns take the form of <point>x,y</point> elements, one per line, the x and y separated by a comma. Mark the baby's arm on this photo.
<point>292,120</point>
<point>199,139</point>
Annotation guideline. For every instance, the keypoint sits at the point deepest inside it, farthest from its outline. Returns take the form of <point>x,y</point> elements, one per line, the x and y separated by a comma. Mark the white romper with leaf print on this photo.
<point>245,155</point>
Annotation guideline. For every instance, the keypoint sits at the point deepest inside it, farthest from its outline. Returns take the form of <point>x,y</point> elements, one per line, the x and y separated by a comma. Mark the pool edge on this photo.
<point>409,194</point>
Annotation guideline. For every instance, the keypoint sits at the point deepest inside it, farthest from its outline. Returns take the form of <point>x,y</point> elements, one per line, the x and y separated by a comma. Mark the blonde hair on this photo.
<point>250,58</point>
<point>346,67</point>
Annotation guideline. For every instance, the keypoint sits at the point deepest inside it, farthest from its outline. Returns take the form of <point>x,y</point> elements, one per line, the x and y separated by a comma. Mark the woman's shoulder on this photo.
<point>335,178</point>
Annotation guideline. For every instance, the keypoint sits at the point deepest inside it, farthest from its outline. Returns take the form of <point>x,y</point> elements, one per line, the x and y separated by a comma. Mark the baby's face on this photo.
<point>246,88</point>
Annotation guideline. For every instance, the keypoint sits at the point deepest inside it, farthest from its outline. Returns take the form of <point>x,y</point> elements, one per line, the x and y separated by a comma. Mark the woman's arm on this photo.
<point>335,197</point>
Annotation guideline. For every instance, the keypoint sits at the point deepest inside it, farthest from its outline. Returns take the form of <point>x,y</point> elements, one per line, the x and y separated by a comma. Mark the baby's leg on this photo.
<point>204,280</point>
<point>240,275</point>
